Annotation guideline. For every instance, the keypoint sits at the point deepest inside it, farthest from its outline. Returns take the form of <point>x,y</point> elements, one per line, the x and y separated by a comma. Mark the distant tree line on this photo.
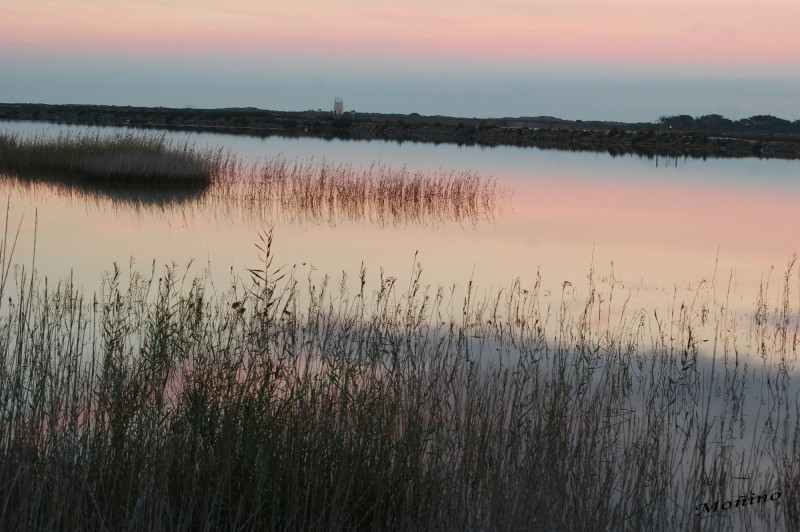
<point>754,124</point>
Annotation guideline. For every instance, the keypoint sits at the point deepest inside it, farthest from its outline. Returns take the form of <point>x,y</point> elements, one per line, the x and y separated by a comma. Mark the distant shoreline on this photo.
<point>711,136</point>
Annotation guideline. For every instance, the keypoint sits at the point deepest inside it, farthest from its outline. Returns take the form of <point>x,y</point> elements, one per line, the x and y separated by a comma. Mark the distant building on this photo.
<point>338,106</point>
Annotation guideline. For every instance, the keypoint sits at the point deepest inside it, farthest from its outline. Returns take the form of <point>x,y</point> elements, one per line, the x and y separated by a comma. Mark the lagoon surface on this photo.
<point>654,227</point>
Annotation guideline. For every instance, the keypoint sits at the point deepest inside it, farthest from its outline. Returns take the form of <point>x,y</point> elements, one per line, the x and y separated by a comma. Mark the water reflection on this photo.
<point>139,198</point>
<point>655,229</point>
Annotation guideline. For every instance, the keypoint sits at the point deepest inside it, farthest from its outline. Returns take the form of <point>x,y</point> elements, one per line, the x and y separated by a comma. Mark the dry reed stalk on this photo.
<point>328,193</point>
<point>292,406</point>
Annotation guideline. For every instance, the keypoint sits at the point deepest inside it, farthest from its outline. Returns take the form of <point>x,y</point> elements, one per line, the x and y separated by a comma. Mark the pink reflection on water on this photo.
<point>647,234</point>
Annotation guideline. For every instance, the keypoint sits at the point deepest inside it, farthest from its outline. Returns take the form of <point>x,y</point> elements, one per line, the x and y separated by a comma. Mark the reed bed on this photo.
<point>295,402</point>
<point>326,192</point>
<point>122,158</point>
<point>135,168</point>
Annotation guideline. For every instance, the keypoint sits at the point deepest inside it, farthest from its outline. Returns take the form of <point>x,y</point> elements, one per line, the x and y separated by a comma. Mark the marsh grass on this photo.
<point>296,402</point>
<point>123,158</point>
<point>146,169</point>
<point>324,192</point>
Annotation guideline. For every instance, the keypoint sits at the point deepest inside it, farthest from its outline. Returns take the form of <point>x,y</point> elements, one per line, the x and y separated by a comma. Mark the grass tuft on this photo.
<point>123,158</point>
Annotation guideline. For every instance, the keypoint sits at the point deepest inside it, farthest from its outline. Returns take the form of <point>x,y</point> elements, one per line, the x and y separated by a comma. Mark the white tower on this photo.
<point>338,106</point>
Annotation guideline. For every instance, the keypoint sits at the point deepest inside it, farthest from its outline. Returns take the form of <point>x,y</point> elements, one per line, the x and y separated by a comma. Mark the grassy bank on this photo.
<point>295,403</point>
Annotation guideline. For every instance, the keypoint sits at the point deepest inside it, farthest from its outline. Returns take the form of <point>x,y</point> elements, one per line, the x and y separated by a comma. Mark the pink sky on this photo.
<point>630,60</point>
<point>732,32</point>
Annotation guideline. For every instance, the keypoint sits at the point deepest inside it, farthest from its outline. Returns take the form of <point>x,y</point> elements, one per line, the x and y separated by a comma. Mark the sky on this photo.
<point>627,60</point>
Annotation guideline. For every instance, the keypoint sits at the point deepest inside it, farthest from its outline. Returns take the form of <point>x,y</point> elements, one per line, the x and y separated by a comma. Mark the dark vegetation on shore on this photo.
<point>706,136</point>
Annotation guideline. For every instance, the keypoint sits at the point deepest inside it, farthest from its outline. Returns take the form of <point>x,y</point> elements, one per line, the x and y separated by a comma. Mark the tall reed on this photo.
<point>297,402</point>
<point>306,191</point>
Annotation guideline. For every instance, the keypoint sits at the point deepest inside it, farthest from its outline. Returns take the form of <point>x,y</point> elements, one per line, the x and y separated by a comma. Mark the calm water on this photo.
<point>655,229</point>
<point>657,234</point>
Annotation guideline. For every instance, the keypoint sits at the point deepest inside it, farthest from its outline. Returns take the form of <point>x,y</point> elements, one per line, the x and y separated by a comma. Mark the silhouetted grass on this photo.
<point>298,404</point>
